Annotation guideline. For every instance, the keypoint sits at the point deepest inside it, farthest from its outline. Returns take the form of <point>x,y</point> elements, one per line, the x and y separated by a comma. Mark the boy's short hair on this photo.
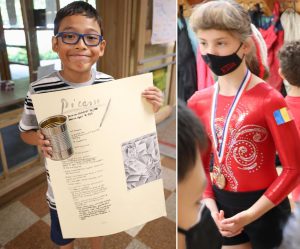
<point>77,8</point>
<point>192,139</point>
<point>289,56</point>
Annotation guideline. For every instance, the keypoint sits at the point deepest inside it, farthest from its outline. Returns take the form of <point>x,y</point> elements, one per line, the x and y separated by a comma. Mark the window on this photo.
<point>46,55</point>
<point>15,39</point>
<point>29,38</point>
<point>11,14</point>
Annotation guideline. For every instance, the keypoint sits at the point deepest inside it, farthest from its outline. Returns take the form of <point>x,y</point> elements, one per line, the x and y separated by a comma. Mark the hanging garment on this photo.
<point>261,53</point>
<point>187,71</point>
<point>256,15</point>
<point>205,78</point>
<point>274,36</point>
<point>290,21</point>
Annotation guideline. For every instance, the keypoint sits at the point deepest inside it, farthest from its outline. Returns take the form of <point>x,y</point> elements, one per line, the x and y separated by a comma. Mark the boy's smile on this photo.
<point>78,59</point>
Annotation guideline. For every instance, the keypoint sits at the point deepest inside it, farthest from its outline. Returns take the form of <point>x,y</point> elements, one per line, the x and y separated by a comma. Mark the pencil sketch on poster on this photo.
<point>141,160</point>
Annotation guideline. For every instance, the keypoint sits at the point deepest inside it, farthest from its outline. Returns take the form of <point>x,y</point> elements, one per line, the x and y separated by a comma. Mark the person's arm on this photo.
<point>31,137</point>
<point>36,138</point>
<point>208,196</point>
<point>287,143</point>
<point>210,203</point>
<point>28,127</point>
<point>195,104</point>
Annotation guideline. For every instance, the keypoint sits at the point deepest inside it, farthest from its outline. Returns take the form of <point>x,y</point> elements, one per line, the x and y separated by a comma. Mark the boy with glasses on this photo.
<point>79,43</point>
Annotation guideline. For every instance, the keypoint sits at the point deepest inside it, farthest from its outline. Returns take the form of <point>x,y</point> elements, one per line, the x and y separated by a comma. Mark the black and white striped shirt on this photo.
<point>51,83</point>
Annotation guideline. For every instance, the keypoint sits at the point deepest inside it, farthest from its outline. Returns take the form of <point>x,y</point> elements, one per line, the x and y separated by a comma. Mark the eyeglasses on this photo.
<point>73,38</point>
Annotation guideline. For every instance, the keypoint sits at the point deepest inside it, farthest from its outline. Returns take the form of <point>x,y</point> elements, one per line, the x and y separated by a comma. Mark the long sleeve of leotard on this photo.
<point>287,143</point>
<point>193,103</point>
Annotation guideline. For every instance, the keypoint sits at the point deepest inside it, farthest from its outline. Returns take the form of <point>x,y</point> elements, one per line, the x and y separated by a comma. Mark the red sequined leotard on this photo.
<point>253,137</point>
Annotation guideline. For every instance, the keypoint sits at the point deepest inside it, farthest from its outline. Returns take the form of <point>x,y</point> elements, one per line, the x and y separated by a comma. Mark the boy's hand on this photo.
<point>154,96</point>
<point>44,145</point>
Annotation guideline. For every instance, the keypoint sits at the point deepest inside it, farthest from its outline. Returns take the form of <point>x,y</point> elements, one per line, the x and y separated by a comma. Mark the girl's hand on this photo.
<point>44,145</point>
<point>236,223</point>
<point>154,96</point>
<point>219,219</point>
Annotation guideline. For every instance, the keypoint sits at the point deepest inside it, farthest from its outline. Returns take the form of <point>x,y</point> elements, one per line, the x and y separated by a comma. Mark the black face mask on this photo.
<point>222,65</point>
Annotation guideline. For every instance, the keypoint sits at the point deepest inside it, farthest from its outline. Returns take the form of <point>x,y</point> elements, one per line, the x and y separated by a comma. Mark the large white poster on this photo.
<point>112,182</point>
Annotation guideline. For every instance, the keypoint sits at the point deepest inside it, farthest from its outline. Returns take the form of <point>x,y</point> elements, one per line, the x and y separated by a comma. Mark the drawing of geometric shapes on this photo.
<point>141,160</point>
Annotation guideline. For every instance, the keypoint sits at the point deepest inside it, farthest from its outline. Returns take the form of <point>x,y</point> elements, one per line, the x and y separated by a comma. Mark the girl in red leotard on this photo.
<point>247,121</point>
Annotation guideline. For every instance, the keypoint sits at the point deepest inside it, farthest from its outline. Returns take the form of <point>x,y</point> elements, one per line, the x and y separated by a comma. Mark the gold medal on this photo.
<point>219,178</point>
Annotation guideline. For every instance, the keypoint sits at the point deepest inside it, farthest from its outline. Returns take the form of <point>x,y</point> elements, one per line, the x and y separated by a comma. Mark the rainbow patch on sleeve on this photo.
<point>282,116</point>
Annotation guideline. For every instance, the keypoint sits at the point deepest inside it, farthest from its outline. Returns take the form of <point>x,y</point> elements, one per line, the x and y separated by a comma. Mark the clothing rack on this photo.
<point>187,9</point>
<point>252,4</point>
<point>293,5</point>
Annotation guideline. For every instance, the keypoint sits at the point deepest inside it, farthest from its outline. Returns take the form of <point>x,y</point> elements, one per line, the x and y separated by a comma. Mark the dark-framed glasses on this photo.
<point>73,38</point>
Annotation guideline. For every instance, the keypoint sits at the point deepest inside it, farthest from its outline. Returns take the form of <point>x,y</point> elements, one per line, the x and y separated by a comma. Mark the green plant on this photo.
<point>18,56</point>
<point>49,55</point>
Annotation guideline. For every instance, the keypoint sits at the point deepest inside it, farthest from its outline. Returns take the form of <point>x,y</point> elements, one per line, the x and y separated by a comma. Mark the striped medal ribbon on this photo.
<point>219,177</point>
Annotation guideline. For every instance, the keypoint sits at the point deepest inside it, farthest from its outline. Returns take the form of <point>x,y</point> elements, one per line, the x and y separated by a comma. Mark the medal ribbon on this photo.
<point>242,87</point>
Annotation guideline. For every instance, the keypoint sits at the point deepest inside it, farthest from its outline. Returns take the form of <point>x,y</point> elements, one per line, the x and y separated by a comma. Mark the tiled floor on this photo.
<point>24,223</point>
<point>166,131</point>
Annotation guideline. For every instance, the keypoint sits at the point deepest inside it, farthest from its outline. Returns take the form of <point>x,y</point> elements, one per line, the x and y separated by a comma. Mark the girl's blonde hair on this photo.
<point>222,15</point>
<point>228,15</point>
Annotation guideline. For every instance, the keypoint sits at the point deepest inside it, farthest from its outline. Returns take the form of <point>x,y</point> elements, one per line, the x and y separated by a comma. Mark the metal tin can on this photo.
<point>55,130</point>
